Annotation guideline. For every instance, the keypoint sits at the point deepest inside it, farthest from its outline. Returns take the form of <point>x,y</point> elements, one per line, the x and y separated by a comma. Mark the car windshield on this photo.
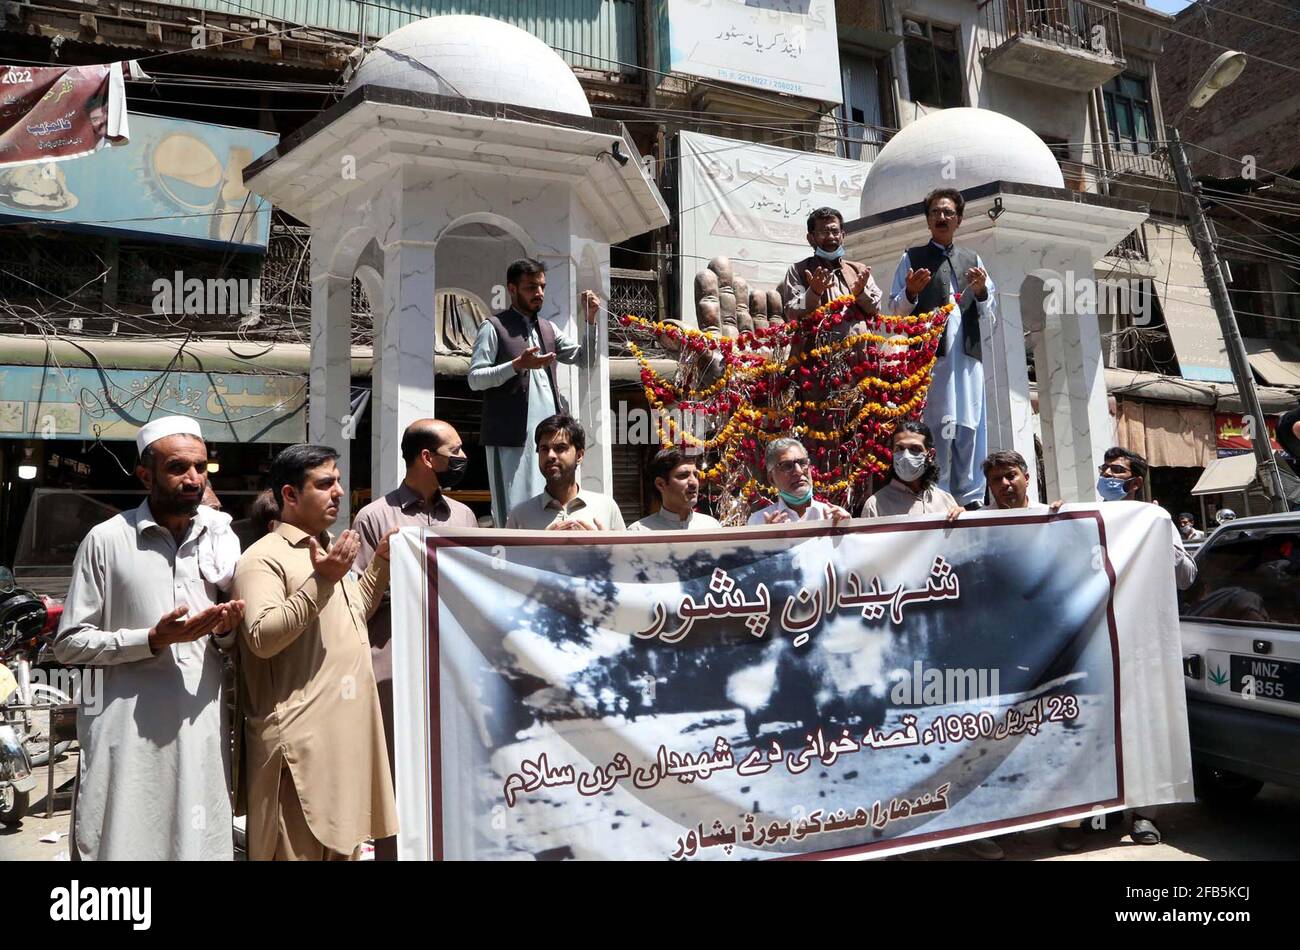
<point>1250,574</point>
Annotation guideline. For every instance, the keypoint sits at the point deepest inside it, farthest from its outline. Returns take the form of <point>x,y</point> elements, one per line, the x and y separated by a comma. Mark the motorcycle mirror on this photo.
<point>7,581</point>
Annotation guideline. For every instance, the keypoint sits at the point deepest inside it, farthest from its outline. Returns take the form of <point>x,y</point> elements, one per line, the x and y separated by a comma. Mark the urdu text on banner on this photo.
<point>750,203</point>
<point>802,692</point>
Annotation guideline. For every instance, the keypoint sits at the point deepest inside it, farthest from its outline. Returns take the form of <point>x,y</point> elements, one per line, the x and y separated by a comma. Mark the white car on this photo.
<point>1241,657</point>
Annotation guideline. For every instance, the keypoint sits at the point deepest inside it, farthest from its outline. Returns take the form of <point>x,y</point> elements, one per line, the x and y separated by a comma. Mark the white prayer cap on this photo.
<point>161,428</point>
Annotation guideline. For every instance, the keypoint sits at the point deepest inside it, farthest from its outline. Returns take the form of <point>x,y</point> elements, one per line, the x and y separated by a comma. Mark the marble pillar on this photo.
<point>328,419</point>
<point>1007,403</point>
<point>403,381</point>
<point>1072,378</point>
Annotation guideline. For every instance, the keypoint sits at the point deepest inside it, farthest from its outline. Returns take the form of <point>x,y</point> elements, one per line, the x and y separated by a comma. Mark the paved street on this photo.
<point>1268,829</point>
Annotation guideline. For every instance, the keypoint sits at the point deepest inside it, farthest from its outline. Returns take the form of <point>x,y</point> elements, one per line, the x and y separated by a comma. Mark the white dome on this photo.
<point>956,148</point>
<point>476,57</point>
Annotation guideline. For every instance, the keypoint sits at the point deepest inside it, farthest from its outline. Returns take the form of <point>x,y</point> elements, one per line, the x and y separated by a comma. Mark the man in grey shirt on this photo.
<point>141,611</point>
<point>435,460</point>
<point>563,506</point>
<point>676,480</point>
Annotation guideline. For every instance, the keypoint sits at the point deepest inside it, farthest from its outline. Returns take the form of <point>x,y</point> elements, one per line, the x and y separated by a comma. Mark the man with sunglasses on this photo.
<point>927,277</point>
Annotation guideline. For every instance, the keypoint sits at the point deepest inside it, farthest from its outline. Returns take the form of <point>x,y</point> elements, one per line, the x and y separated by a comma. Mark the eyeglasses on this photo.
<point>827,232</point>
<point>1111,467</point>
<point>790,465</point>
<point>942,213</point>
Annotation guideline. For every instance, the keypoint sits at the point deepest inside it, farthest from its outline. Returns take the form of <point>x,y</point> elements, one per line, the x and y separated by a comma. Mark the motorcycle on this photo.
<point>27,625</point>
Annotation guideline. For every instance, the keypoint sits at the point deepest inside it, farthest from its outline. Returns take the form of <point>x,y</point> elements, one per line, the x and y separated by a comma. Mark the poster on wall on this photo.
<point>788,46</point>
<point>1232,434</point>
<point>52,113</point>
<point>174,179</point>
<point>751,202</point>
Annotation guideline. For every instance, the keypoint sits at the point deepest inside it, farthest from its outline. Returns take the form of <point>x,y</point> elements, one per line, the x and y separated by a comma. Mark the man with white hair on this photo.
<point>790,471</point>
<point>142,612</point>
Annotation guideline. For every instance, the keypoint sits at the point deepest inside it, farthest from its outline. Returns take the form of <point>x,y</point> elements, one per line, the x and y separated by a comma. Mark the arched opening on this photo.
<point>470,262</point>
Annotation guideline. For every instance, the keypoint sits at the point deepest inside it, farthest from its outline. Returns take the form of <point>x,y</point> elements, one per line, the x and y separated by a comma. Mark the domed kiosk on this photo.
<point>462,143</point>
<point>961,148</point>
<point>1032,233</point>
<point>473,57</point>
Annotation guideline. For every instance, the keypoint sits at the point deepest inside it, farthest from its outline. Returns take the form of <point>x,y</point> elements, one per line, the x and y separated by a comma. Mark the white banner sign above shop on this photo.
<point>751,203</point>
<point>786,46</point>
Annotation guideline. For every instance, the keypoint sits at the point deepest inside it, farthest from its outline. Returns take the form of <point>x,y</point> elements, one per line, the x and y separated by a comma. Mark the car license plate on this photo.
<point>1265,678</point>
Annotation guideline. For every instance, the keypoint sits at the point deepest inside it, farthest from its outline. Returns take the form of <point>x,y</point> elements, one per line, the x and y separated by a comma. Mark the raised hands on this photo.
<point>383,549</point>
<point>917,281</point>
<point>860,284</point>
<point>332,565</point>
<point>177,626</point>
<point>819,280</point>
<point>591,304</point>
<point>533,358</point>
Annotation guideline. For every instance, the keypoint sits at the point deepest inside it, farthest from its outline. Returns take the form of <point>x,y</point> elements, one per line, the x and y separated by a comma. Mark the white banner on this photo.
<point>788,46</point>
<point>783,692</point>
<point>751,203</point>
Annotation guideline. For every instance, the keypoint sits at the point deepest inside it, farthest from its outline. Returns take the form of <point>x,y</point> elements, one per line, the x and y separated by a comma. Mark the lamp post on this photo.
<point>1226,68</point>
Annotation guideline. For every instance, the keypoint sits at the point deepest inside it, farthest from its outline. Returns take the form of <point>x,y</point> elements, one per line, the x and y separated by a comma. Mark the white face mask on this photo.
<point>909,466</point>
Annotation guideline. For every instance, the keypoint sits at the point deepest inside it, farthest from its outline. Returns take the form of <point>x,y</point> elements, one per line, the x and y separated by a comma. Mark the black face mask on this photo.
<point>456,468</point>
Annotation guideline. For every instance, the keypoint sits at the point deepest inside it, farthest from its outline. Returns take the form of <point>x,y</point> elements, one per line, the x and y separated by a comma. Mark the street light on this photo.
<point>1222,72</point>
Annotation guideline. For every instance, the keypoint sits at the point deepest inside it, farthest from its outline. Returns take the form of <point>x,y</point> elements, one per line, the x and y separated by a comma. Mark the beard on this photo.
<point>165,504</point>
<point>562,476</point>
<point>524,307</point>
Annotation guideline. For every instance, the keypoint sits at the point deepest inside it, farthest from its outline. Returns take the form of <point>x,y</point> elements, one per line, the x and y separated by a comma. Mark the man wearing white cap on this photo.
<point>141,612</point>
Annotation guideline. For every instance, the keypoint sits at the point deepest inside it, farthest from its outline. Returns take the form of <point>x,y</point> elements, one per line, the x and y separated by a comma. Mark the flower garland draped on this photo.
<point>839,394</point>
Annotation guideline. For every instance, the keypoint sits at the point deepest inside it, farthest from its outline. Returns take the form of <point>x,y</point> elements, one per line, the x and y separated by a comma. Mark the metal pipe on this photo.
<point>1269,476</point>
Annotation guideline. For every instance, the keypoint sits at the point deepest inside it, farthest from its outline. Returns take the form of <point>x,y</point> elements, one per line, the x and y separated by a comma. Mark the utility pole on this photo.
<point>1266,464</point>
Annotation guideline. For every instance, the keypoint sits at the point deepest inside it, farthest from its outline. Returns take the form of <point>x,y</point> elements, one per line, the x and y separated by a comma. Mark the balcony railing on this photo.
<point>1072,44</point>
<point>1126,160</point>
<point>861,142</point>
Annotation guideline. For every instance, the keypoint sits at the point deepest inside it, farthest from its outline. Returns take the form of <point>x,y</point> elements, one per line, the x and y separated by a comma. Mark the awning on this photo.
<point>1276,361</point>
<point>1235,473</point>
<point>1167,435</point>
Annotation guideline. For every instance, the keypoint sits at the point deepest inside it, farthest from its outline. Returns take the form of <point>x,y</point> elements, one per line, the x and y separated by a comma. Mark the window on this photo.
<point>860,114</point>
<point>1250,574</point>
<point>933,64</point>
<point>1248,291</point>
<point>1129,114</point>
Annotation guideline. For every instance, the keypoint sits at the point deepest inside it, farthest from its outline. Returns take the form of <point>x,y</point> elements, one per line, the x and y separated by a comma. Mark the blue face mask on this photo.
<point>1112,489</point>
<point>834,255</point>
<point>795,500</point>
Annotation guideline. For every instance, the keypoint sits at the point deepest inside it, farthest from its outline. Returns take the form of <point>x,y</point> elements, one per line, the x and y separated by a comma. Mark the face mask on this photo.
<point>795,500</point>
<point>909,467</point>
<point>834,255</point>
<point>1112,489</point>
<point>456,466</point>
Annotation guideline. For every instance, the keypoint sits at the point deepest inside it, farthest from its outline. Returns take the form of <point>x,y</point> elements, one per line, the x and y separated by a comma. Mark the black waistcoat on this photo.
<point>948,277</point>
<point>505,407</point>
